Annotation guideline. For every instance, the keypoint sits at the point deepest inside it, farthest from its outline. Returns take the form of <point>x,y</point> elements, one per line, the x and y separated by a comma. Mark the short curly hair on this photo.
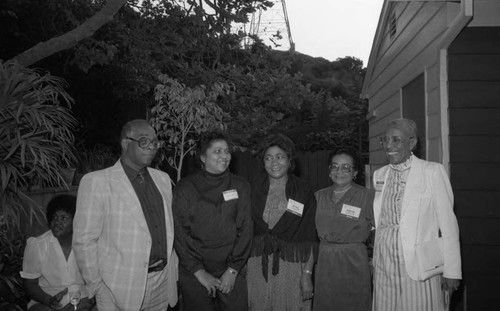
<point>283,142</point>
<point>208,139</point>
<point>63,202</point>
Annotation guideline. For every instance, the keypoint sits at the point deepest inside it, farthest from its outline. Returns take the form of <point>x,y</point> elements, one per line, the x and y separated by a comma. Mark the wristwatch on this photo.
<point>232,271</point>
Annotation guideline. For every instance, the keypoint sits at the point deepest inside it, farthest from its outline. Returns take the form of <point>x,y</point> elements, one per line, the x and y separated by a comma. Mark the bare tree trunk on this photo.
<point>68,40</point>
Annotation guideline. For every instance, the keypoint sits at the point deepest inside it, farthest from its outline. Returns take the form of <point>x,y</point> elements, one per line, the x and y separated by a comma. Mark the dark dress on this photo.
<point>213,231</point>
<point>343,277</point>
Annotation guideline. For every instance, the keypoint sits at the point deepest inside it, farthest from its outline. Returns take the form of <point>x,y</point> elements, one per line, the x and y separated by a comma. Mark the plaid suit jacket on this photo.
<point>111,239</point>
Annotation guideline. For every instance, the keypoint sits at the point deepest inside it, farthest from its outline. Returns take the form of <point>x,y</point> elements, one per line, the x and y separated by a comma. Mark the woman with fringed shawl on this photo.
<point>283,209</point>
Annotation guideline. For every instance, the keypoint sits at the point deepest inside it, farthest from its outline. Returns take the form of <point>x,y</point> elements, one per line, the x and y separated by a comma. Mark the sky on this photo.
<point>334,28</point>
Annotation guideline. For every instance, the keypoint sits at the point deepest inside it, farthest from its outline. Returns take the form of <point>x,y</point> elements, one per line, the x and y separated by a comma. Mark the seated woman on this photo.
<point>50,274</point>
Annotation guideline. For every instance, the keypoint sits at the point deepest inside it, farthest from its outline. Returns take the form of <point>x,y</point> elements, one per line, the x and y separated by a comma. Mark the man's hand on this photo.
<point>306,286</point>
<point>208,281</point>
<point>450,285</point>
<point>227,281</point>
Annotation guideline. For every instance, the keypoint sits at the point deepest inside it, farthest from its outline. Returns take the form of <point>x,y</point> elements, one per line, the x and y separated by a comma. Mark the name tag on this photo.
<point>295,207</point>
<point>230,195</point>
<point>350,211</point>
<point>379,184</point>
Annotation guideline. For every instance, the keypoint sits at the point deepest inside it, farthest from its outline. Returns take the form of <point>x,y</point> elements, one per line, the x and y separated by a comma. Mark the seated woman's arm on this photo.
<point>37,294</point>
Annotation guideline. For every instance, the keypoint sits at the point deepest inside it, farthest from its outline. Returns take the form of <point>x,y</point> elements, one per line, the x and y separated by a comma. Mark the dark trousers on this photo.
<point>195,296</point>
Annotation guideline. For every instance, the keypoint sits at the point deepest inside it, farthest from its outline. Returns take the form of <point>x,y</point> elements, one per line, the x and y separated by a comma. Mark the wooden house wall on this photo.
<point>474,114</point>
<point>412,52</point>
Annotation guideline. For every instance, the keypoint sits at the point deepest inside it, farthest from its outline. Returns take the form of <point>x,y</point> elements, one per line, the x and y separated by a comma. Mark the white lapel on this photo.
<point>415,185</point>
<point>379,182</point>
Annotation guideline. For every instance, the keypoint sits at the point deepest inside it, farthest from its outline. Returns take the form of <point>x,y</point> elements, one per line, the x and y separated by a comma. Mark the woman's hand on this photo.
<point>306,286</point>
<point>208,281</point>
<point>450,284</point>
<point>54,301</point>
<point>227,281</point>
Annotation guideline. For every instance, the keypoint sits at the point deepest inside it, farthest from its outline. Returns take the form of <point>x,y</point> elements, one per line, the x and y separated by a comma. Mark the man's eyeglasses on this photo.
<point>395,140</point>
<point>145,142</point>
<point>344,168</point>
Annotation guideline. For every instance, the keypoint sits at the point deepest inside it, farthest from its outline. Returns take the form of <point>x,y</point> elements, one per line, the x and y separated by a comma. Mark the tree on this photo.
<point>181,114</point>
<point>71,38</point>
<point>311,99</point>
<point>36,140</point>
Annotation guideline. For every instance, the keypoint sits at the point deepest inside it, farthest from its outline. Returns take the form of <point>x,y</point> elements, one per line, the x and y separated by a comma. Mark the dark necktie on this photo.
<point>140,177</point>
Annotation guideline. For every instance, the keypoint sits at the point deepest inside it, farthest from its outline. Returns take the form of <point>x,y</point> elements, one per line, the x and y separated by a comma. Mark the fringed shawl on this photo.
<point>293,237</point>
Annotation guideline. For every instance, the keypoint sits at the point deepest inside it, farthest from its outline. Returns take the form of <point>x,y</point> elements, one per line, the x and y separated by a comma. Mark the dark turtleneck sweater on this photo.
<point>212,231</point>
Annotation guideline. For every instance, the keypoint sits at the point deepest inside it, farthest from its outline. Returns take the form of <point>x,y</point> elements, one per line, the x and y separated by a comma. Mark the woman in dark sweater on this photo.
<point>283,210</point>
<point>213,231</point>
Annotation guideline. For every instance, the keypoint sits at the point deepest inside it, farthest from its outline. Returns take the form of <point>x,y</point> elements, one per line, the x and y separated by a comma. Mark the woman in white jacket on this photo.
<point>417,251</point>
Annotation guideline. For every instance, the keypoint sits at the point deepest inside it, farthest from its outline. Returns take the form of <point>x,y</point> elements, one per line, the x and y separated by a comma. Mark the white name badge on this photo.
<point>230,195</point>
<point>295,207</point>
<point>350,211</point>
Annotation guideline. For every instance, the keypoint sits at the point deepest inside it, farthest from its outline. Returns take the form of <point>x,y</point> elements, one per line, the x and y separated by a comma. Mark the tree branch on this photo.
<point>68,40</point>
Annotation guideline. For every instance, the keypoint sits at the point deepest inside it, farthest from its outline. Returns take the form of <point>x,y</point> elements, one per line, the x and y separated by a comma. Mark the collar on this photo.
<point>131,173</point>
<point>403,166</point>
<point>215,176</point>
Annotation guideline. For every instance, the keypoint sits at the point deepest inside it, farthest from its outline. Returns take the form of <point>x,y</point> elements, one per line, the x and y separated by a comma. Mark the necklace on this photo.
<point>342,191</point>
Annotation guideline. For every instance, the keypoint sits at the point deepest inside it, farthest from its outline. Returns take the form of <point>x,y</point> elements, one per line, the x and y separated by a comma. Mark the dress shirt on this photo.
<point>152,207</point>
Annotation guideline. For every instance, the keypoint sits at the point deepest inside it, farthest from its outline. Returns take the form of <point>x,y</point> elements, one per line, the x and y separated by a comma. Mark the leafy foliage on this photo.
<point>313,100</point>
<point>36,139</point>
<point>182,114</point>
<point>12,295</point>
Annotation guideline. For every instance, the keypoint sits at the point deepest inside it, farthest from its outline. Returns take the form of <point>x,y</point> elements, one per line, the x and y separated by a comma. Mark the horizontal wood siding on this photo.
<point>481,148</point>
<point>482,277</point>
<point>482,41</point>
<point>475,121</point>
<point>481,202</point>
<point>474,112</point>
<point>488,235</point>
<point>470,94</point>
<point>476,67</point>
<point>472,175</point>
<point>486,13</point>
<point>412,52</point>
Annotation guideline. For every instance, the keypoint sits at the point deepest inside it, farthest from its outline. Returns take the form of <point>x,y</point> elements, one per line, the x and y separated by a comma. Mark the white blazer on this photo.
<point>111,239</point>
<point>427,209</point>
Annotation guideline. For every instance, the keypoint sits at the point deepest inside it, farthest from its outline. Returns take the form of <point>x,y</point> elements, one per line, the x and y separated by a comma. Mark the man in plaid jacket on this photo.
<point>123,228</point>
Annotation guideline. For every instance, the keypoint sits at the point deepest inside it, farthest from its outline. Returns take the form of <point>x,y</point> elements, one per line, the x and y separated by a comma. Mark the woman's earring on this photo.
<point>354,177</point>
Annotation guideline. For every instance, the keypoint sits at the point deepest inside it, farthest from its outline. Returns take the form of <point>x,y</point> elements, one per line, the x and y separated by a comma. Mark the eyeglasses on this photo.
<point>344,168</point>
<point>145,142</point>
<point>395,140</point>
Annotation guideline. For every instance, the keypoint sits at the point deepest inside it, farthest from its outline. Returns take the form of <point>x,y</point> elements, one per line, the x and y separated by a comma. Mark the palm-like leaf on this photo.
<point>36,138</point>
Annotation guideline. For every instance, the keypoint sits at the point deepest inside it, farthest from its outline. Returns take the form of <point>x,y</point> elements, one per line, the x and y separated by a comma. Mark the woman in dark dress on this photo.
<point>213,231</point>
<point>344,220</point>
